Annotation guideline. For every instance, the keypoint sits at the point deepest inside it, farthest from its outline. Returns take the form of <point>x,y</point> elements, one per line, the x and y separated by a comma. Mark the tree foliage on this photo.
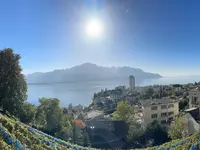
<point>52,119</point>
<point>135,133</point>
<point>170,93</point>
<point>123,111</point>
<point>176,129</point>
<point>152,135</point>
<point>52,113</point>
<point>40,118</point>
<point>13,86</point>
<point>65,131</point>
<point>154,132</point>
<point>77,134</point>
<point>184,104</point>
<point>150,92</point>
<point>27,113</point>
<point>80,136</point>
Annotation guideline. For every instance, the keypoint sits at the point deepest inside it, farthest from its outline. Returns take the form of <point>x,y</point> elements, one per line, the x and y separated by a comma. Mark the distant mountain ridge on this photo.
<point>89,72</point>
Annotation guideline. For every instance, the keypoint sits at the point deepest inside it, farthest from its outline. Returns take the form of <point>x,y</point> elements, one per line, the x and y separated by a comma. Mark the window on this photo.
<point>154,108</point>
<point>170,113</point>
<point>163,114</point>
<point>163,122</point>
<point>170,119</point>
<point>195,100</point>
<point>171,106</point>
<point>163,106</point>
<point>154,116</point>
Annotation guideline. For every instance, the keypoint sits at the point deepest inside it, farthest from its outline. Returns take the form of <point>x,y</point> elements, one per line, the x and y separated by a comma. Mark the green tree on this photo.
<point>53,119</point>
<point>136,134</point>
<point>149,92</point>
<point>170,93</point>
<point>27,113</point>
<point>52,115</point>
<point>78,137</point>
<point>13,86</point>
<point>152,135</point>
<point>65,131</point>
<point>176,129</point>
<point>124,112</point>
<point>184,104</point>
<point>65,110</point>
<point>86,138</point>
<point>40,118</point>
<point>155,133</point>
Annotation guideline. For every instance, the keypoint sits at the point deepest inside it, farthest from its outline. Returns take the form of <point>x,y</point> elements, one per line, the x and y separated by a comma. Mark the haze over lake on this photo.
<point>82,92</point>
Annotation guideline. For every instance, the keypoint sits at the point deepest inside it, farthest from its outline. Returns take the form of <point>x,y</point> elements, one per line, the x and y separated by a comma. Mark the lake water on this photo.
<point>81,93</point>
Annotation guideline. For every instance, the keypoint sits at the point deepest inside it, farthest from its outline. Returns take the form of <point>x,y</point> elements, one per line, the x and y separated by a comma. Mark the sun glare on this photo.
<point>94,28</point>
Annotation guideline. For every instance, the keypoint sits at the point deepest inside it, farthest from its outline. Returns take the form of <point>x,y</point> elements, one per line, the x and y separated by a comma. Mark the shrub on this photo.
<point>4,121</point>
<point>4,145</point>
<point>37,147</point>
<point>10,127</point>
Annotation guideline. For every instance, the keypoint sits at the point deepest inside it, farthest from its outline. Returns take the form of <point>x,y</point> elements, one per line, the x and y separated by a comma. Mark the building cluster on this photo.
<point>194,98</point>
<point>148,110</point>
<point>107,100</point>
<point>164,110</point>
<point>160,107</point>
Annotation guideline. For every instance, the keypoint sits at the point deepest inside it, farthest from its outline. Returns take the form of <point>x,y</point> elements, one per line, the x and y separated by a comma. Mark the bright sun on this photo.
<point>94,28</point>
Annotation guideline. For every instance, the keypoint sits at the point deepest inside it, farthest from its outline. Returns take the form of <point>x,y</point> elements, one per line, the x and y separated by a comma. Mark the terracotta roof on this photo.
<point>79,123</point>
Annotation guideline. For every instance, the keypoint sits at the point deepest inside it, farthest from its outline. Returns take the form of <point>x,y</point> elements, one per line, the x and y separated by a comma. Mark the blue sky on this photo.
<point>154,35</point>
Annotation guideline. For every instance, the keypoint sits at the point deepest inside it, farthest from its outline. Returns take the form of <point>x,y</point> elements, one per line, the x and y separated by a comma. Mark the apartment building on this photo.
<point>162,110</point>
<point>194,98</point>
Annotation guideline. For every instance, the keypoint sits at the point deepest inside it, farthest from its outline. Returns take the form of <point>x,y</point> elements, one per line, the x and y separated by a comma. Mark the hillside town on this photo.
<point>157,102</point>
<point>120,118</point>
<point>105,102</point>
<point>100,75</point>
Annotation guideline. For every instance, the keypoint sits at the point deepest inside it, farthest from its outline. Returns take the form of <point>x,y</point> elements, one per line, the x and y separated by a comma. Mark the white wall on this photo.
<point>147,112</point>
<point>193,94</point>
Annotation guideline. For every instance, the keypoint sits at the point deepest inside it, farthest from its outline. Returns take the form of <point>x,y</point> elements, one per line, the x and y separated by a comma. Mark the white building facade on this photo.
<point>162,110</point>
<point>194,98</point>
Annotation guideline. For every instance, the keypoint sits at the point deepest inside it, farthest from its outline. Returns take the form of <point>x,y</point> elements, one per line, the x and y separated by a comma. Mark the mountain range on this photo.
<point>88,72</point>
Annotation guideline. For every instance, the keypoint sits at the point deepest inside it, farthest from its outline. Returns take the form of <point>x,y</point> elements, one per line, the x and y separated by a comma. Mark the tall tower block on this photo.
<point>131,83</point>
